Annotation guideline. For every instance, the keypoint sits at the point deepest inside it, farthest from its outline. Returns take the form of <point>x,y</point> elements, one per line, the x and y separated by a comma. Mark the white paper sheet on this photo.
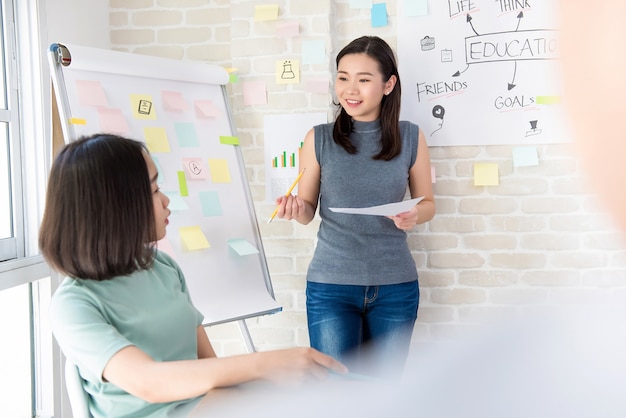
<point>389,209</point>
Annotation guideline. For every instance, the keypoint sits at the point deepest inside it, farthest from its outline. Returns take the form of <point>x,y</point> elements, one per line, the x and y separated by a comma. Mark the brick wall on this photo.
<point>538,238</point>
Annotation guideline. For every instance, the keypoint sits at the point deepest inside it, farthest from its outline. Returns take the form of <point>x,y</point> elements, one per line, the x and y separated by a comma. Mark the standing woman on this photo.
<point>123,314</point>
<point>362,289</point>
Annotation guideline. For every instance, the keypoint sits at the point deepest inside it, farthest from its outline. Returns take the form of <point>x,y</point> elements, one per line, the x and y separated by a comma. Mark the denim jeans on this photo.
<point>368,328</point>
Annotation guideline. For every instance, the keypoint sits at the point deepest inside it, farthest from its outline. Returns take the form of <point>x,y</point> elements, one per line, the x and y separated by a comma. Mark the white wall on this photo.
<point>81,22</point>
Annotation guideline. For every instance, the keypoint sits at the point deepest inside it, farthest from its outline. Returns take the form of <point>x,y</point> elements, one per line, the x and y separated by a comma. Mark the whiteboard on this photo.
<point>482,72</point>
<point>180,110</point>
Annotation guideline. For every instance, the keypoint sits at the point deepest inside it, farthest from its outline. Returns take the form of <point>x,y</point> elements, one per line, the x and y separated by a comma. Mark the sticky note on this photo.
<point>266,12</point>
<point>433,177</point>
<point>254,93</point>
<point>112,121</point>
<point>186,134</point>
<point>287,72</point>
<point>90,93</point>
<point>415,7</point>
<point>229,140</point>
<point>173,101</point>
<point>166,246</point>
<point>525,156</point>
<point>361,4</point>
<point>142,106</point>
<point>219,170</point>
<point>486,174</point>
<point>182,183</point>
<point>205,109</point>
<point>210,202</point>
<point>313,51</point>
<point>379,15</point>
<point>193,238</point>
<point>161,176</point>
<point>317,85</point>
<point>288,29</point>
<point>233,78</point>
<point>78,121</point>
<point>242,247</point>
<point>156,139</point>
<point>547,100</point>
<point>195,168</point>
<point>177,202</point>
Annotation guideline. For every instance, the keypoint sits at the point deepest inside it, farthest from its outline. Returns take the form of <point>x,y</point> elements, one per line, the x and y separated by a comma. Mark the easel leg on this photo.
<point>246,335</point>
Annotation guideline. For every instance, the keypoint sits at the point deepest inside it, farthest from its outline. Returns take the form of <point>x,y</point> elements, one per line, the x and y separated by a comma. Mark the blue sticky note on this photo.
<point>161,176</point>
<point>176,201</point>
<point>379,15</point>
<point>360,4</point>
<point>525,156</point>
<point>210,202</point>
<point>242,247</point>
<point>313,51</point>
<point>186,134</point>
<point>415,7</point>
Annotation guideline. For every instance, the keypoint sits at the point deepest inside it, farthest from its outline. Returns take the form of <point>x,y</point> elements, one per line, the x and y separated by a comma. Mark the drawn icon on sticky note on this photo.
<point>210,202</point>
<point>205,109</point>
<point>220,173</point>
<point>195,168</point>
<point>242,247</point>
<point>287,72</point>
<point>173,101</point>
<point>186,134</point>
<point>112,121</point>
<point>486,174</point>
<point>156,139</point>
<point>193,238</point>
<point>90,93</point>
<point>142,106</point>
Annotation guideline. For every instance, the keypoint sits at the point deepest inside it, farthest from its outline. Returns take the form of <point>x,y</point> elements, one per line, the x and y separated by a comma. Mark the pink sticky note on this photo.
<point>254,92</point>
<point>205,109</point>
<point>317,85</point>
<point>195,168</point>
<point>288,29</point>
<point>90,93</point>
<point>166,246</point>
<point>112,121</point>
<point>173,101</point>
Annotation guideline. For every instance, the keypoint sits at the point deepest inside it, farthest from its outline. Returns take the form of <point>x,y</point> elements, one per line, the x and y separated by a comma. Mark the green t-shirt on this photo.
<point>151,309</point>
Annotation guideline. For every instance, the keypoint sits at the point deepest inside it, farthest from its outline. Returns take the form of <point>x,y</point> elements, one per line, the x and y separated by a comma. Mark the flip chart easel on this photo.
<point>180,110</point>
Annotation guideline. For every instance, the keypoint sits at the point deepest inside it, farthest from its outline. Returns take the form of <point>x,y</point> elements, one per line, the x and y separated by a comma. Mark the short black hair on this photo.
<point>98,220</point>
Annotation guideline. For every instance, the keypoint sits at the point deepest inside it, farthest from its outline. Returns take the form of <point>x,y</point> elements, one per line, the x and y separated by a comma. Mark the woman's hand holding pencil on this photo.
<point>293,185</point>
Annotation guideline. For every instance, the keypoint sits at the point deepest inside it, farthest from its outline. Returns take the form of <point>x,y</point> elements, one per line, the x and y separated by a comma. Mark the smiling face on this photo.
<point>360,86</point>
<point>160,201</point>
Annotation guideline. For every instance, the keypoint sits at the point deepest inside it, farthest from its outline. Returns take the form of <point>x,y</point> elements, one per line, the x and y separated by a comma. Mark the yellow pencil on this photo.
<point>287,194</point>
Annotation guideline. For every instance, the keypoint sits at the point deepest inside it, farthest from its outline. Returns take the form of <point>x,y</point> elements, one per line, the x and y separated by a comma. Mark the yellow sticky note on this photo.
<point>265,12</point>
<point>156,139</point>
<point>193,238</point>
<point>78,121</point>
<point>486,174</point>
<point>142,106</point>
<point>287,72</point>
<point>219,170</point>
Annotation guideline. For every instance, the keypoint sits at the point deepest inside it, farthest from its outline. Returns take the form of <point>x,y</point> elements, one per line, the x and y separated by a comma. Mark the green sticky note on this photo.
<point>229,140</point>
<point>242,247</point>
<point>182,183</point>
<point>210,202</point>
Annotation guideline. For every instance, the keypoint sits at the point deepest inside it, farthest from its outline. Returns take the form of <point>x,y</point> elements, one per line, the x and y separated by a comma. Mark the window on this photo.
<point>26,352</point>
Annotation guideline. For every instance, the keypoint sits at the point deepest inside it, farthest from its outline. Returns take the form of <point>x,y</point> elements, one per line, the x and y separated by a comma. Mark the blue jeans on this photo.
<point>368,328</point>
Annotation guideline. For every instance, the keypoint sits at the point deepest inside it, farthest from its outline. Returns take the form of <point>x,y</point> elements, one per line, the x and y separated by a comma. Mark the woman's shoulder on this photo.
<point>405,124</point>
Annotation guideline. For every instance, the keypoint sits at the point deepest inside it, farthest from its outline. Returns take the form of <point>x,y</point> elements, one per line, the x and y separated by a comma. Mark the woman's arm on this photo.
<point>205,349</point>
<point>134,371</point>
<point>420,184</point>
<point>303,206</point>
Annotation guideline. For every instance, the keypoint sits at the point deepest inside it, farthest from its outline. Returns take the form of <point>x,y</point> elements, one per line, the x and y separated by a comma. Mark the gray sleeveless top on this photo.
<point>361,249</point>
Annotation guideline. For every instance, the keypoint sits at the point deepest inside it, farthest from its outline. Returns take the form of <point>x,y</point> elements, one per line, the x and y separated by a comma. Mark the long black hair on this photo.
<point>382,53</point>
